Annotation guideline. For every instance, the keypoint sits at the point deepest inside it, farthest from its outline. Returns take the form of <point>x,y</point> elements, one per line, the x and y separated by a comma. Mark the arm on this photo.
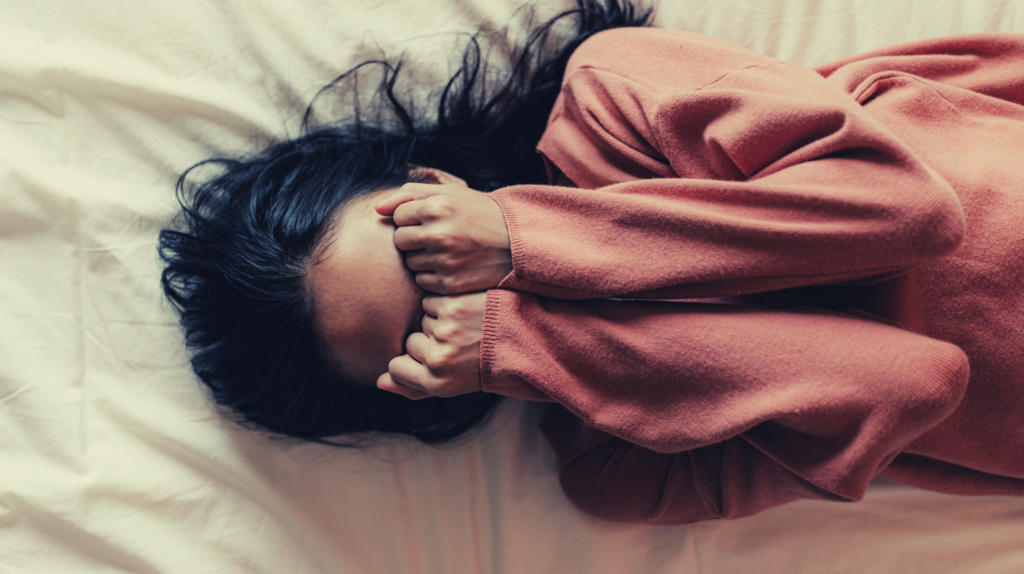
<point>756,407</point>
<point>616,480</point>
<point>715,171</point>
<point>985,63</point>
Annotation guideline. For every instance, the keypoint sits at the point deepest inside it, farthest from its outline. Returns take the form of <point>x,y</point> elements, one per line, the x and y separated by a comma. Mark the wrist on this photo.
<point>498,226</point>
<point>497,376</point>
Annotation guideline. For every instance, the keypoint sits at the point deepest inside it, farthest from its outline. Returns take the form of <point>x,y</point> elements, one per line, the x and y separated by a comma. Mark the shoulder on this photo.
<point>654,57</point>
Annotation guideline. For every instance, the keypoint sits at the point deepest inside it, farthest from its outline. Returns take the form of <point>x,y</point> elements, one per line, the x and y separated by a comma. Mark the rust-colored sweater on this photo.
<point>773,282</point>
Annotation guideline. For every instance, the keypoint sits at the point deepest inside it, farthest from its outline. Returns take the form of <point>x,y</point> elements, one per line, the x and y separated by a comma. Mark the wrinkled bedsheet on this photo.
<point>113,460</point>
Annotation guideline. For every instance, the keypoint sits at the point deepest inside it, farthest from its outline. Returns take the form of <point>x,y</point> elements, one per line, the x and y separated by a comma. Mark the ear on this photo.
<point>434,175</point>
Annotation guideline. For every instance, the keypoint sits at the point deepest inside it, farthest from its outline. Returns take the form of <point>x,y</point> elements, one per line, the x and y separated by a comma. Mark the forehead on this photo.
<point>360,288</point>
<point>342,278</point>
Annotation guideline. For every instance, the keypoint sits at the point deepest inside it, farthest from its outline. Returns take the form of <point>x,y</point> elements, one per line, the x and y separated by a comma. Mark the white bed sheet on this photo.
<point>112,460</point>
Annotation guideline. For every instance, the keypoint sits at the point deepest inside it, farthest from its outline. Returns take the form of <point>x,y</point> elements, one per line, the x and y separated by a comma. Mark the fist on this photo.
<point>454,238</point>
<point>443,360</point>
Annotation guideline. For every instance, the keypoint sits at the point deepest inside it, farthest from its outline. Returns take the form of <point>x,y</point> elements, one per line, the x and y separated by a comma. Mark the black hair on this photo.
<point>236,261</point>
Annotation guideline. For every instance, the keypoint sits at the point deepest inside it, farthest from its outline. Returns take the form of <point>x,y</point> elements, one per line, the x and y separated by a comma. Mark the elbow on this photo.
<point>620,482</point>
<point>612,507</point>
<point>589,482</point>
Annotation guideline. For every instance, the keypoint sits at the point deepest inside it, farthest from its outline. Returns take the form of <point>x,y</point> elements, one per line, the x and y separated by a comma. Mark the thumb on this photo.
<point>406,193</point>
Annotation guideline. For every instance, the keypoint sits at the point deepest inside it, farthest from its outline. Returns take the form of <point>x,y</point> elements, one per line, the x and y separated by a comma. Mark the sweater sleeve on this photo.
<point>712,171</point>
<point>745,408</point>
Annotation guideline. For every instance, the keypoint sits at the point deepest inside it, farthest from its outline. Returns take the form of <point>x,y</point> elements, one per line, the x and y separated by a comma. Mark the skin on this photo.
<point>365,322</point>
<point>371,281</point>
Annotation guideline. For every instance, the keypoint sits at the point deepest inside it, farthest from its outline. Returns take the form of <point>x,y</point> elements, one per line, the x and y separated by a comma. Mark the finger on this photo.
<point>426,210</point>
<point>441,284</point>
<point>425,259</point>
<point>428,324</point>
<point>408,371</point>
<point>460,282</point>
<point>408,213</point>
<point>410,238</point>
<point>406,193</point>
<point>484,277</point>
<point>416,346</point>
<point>386,383</point>
<point>459,307</point>
<point>432,305</point>
<point>421,260</point>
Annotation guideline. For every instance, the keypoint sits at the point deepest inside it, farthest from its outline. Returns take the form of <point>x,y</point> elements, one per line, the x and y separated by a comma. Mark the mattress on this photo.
<point>112,459</point>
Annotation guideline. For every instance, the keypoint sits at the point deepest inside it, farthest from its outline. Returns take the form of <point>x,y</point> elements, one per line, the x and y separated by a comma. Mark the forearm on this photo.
<point>616,480</point>
<point>717,172</point>
<point>829,396</point>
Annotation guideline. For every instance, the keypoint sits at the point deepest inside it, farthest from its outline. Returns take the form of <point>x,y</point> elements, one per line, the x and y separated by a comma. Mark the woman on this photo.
<point>765,289</point>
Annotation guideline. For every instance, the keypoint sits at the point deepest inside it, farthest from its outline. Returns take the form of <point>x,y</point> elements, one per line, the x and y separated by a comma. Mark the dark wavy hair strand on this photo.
<point>236,261</point>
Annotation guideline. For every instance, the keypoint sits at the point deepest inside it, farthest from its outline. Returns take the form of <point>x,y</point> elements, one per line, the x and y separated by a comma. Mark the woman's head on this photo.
<point>281,272</point>
<point>364,323</point>
<point>263,253</point>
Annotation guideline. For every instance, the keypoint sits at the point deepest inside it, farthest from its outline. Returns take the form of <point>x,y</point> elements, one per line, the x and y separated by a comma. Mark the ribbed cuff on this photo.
<point>492,379</point>
<point>515,240</point>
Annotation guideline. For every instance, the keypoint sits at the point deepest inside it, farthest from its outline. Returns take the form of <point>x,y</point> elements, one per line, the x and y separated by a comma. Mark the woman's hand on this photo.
<point>443,360</point>
<point>454,237</point>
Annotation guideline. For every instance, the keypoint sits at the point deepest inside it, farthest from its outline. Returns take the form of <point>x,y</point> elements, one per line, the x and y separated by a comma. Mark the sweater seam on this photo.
<point>487,336</point>
<point>515,240</point>
<point>862,94</point>
<point>656,124</point>
<point>697,89</point>
<point>655,129</point>
<point>520,280</point>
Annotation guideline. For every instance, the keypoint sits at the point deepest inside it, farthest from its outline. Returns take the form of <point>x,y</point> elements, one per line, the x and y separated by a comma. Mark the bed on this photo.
<point>113,460</point>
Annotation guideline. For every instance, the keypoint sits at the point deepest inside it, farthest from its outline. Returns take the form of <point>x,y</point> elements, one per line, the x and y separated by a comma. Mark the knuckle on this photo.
<point>428,210</point>
<point>445,307</point>
<point>445,331</point>
<point>419,263</point>
<point>427,281</point>
<point>449,238</point>
<point>446,263</point>
<point>439,357</point>
<point>431,360</point>
<point>448,354</point>
<point>458,313</point>
<point>403,239</point>
<point>449,284</point>
<point>445,203</point>
<point>437,208</point>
